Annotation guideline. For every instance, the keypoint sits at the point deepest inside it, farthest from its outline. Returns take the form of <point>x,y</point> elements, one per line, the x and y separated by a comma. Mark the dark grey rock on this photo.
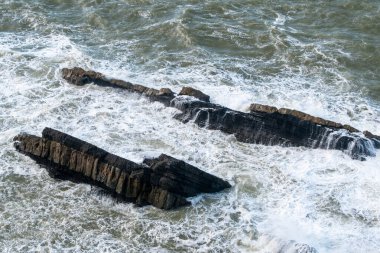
<point>264,124</point>
<point>164,182</point>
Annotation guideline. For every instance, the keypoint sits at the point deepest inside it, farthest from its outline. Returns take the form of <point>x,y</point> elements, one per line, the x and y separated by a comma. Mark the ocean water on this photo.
<point>321,57</point>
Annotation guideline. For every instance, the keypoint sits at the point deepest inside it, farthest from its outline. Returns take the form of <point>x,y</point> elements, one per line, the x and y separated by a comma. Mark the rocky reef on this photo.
<point>271,127</point>
<point>164,182</point>
<point>263,124</point>
<point>79,76</point>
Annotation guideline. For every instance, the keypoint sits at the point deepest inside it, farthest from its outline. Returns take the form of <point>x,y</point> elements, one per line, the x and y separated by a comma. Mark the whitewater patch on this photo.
<point>282,197</point>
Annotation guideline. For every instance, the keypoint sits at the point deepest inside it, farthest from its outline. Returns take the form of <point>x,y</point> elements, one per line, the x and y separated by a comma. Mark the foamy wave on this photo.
<point>283,199</point>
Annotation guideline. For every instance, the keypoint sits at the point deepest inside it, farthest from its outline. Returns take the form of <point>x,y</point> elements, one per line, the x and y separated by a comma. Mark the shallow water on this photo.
<point>316,56</point>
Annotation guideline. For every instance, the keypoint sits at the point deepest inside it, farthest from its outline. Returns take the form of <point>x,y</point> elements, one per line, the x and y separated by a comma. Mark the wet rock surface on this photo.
<point>263,124</point>
<point>271,127</point>
<point>374,138</point>
<point>164,182</point>
<point>189,91</point>
<point>79,76</point>
<point>301,116</point>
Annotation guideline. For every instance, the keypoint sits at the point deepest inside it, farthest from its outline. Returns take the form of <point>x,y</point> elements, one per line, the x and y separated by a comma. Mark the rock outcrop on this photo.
<point>375,138</point>
<point>263,124</point>
<point>78,76</point>
<point>164,182</point>
<point>301,116</point>
<point>189,91</point>
<point>271,127</point>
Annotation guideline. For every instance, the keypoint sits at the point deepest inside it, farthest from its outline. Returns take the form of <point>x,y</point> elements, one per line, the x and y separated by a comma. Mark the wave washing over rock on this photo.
<point>319,58</point>
<point>263,125</point>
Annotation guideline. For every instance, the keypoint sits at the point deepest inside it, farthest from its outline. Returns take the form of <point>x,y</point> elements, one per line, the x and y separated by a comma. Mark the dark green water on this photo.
<point>321,57</point>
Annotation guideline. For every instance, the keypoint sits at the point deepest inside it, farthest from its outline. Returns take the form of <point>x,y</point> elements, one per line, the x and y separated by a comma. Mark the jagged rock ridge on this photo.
<point>272,128</point>
<point>264,124</point>
<point>164,182</point>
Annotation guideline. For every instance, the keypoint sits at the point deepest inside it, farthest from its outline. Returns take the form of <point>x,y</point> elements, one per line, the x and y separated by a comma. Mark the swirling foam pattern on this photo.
<point>321,57</point>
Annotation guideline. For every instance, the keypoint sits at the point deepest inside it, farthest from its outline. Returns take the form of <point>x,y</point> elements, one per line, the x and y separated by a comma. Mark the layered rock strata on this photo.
<point>367,139</point>
<point>164,182</point>
<point>273,128</point>
<point>263,124</point>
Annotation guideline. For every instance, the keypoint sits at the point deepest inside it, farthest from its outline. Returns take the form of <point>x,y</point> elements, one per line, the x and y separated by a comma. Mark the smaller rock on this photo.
<point>141,89</point>
<point>79,76</point>
<point>375,138</point>
<point>165,92</point>
<point>262,108</point>
<point>189,91</point>
<point>350,128</point>
<point>370,135</point>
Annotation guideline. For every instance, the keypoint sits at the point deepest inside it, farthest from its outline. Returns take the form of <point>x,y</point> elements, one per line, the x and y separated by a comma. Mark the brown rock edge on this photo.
<point>302,116</point>
<point>263,125</point>
<point>164,182</point>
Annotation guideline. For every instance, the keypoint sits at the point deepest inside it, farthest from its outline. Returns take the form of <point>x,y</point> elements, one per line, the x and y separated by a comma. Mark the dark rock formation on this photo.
<point>189,91</point>
<point>78,76</point>
<point>270,127</point>
<point>374,138</point>
<point>182,178</point>
<point>164,182</point>
<point>264,124</point>
<point>301,116</point>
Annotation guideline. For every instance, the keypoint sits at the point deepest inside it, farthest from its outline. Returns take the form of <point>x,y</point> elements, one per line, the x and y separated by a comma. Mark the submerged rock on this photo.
<point>164,182</point>
<point>293,247</point>
<point>264,124</point>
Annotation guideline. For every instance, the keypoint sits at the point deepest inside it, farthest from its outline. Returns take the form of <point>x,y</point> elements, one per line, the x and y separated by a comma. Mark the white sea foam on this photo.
<point>282,198</point>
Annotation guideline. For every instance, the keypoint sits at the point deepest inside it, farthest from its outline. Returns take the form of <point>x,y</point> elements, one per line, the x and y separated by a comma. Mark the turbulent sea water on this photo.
<point>321,57</point>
